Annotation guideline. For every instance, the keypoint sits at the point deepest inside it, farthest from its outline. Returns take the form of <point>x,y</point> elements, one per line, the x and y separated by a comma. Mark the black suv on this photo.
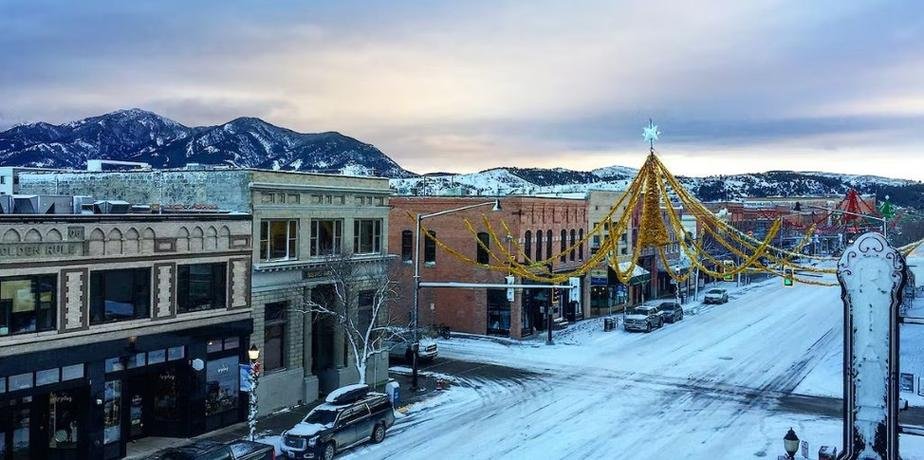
<point>349,416</point>
<point>212,450</point>
<point>673,312</point>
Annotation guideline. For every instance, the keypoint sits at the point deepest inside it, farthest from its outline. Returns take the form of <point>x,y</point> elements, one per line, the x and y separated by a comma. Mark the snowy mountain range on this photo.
<point>139,135</point>
<point>563,182</point>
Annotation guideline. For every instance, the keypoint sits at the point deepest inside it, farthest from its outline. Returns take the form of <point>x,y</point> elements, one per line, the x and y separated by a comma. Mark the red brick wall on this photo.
<point>465,310</point>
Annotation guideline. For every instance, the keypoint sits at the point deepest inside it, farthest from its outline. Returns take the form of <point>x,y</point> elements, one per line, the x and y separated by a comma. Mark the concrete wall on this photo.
<point>221,189</point>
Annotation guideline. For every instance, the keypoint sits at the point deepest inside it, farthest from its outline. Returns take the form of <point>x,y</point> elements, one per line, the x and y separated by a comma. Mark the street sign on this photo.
<point>574,294</point>
<point>509,280</point>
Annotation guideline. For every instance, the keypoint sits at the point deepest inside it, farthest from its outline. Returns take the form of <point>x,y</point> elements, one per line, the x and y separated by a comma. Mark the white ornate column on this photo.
<point>872,276</point>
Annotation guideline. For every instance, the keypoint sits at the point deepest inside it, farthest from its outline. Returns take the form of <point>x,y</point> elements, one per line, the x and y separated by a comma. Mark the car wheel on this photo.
<point>648,329</point>
<point>378,433</point>
<point>329,451</point>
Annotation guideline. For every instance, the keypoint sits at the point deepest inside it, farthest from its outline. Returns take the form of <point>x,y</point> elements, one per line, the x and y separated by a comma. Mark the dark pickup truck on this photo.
<point>213,450</point>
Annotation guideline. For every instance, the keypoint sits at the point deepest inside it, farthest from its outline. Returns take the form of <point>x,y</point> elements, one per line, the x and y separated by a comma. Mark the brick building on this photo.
<point>542,227</point>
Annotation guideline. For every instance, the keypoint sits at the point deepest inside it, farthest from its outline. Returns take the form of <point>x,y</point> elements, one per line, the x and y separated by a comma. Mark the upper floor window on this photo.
<point>581,245</point>
<point>430,247</point>
<point>563,245</point>
<point>278,239</point>
<point>548,243</point>
<point>201,287</point>
<point>538,245</point>
<point>528,244</point>
<point>120,295</point>
<point>572,245</point>
<point>367,236</point>
<point>27,304</point>
<point>326,237</point>
<point>407,245</point>
<point>481,254</point>
<point>274,335</point>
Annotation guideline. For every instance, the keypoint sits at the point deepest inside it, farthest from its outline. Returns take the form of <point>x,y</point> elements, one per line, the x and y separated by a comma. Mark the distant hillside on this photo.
<point>138,135</point>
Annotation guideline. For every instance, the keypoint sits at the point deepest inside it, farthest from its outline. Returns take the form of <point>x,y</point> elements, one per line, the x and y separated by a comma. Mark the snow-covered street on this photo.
<point>716,385</point>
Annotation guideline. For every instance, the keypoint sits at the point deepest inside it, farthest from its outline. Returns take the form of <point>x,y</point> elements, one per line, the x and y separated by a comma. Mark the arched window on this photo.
<point>572,244</point>
<point>538,245</point>
<point>528,244</point>
<point>581,246</point>
<point>407,245</point>
<point>564,245</point>
<point>481,255</point>
<point>430,248</point>
<point>548,243</point>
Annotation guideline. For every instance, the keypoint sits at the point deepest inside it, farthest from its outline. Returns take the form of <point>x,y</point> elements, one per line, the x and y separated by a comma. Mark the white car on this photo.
<point>643,318</point>
<point>716,296</point>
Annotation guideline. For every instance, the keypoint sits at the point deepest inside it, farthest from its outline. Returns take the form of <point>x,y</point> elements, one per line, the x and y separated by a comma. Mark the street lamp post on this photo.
<point>495,206</point>
<point>791,443</point>
<point>254,354</point>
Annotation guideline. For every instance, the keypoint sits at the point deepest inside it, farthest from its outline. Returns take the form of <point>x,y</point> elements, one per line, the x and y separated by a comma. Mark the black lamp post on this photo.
<point>791,443</point>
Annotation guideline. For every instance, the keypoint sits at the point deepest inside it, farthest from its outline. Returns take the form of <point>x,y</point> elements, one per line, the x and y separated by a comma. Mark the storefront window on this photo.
<point>114,365</point>
<point>119,295</point>
<point>498,312</point>
<point>157,356</point>
<point>214,345</point>
<point>20,382</point>
<point>175,353</point>
<point>21,423</point>
<point>72,372</point>
<point>27,304</point>
<point>62,420</point>
<point>222,385</point>
<point>137,360</point>
<point>201,287</point>
<point>112,419</point>
<point>47,377</point>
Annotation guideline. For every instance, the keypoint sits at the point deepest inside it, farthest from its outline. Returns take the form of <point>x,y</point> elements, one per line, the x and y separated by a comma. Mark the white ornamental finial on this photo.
<point>651,133</point>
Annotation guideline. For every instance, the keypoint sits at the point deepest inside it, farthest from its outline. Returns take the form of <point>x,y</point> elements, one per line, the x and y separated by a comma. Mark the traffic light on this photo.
<point>789,277</point>
<point>555,296</point>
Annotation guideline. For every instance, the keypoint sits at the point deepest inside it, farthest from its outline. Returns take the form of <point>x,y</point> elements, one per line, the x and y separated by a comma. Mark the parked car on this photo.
<point>401,347</point>
<point>214,450</point>
<point>643,318</point>
<point>349,416</point>
<point>716,296</point>
<point>671,311</point>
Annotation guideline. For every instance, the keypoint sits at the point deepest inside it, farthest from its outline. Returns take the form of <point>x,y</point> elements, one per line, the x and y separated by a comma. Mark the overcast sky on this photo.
<point>740,86</point>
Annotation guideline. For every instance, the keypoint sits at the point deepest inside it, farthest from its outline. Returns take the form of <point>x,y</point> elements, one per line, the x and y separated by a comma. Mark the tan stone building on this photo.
<point>119,326</point>
<point>299,220</point>
<point>604,291</point>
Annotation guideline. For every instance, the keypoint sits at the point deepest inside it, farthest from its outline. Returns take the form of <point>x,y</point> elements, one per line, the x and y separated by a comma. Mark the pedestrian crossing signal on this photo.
<point>789,278</point>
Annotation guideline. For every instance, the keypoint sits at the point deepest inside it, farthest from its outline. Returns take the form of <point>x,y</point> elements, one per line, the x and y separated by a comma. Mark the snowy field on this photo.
<point>717,385</point>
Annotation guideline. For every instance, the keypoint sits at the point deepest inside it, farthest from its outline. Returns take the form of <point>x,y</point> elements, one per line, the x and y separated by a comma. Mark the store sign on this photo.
<point>597,281</point>
<point>31,250</point>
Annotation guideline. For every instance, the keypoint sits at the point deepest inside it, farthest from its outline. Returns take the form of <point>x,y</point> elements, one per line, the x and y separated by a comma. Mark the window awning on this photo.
<point>639,274</point>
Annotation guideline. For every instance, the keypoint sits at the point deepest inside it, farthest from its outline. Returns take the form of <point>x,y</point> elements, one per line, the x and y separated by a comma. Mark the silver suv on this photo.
<point>643,318</point>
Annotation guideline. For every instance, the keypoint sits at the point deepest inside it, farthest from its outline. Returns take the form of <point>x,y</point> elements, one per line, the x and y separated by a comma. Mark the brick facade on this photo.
<point>466,310</point>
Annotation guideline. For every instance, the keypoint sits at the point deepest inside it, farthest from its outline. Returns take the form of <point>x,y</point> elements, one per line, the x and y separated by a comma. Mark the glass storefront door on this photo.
<point>15,427</point>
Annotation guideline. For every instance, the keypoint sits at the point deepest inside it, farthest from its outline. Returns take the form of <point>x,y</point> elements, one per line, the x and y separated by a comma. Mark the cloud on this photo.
<point>494,83</point>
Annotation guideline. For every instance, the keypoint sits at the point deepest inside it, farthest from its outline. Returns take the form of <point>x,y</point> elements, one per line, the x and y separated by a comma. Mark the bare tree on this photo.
<point>359,303</point>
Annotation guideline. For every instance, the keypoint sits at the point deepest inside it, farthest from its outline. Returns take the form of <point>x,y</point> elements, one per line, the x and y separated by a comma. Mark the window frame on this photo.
<point>376,242</point>
<point>430,247</point>
<point>281,322</point>
<point>482,256</point>
<point>35,281</point>
<point>183,298</point>
<point>93,295</point>
<point>407,246</point>
<point>266,241</point>
<point>314,236</point>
